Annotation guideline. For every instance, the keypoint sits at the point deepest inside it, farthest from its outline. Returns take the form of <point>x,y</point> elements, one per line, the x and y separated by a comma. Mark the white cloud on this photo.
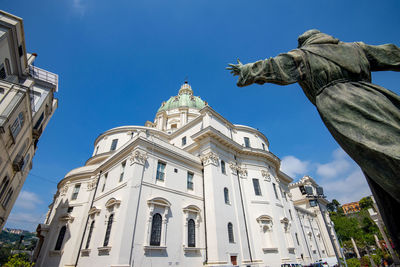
<point>351,188</point>
<point>27,200</point>
<point>341,178</point>
<point>293,166</point>
<point>25,221</point>
<point>340,164</point>
<point>79,6</point>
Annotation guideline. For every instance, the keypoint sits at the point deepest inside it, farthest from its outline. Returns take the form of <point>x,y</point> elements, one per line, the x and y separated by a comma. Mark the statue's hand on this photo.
<point>235,68</point>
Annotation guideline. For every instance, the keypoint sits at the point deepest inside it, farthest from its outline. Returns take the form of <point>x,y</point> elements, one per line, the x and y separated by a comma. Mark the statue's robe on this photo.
<point>364,118</point>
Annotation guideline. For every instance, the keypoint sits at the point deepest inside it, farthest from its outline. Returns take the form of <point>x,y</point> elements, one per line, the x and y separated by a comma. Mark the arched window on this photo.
<point>8,197</point>
<point>191,234</point>
<point>230,233</point>
<point>155,237</point>
<point>3,186</point>
<point>108,230</point>
<point>89,235</point>
<point>60,238</point>
<point>226,195</point>
<point>223,167</point>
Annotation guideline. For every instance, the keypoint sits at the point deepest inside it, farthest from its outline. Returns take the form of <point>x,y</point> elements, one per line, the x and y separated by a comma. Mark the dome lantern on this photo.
<point>185,89</point>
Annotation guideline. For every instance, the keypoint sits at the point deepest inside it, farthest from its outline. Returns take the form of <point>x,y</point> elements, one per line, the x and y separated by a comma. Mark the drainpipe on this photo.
<point>205,221</point>
<point>87,220</point>
<point>244,215</point>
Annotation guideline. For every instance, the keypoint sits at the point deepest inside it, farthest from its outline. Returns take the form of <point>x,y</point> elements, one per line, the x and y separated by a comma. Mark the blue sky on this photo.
<point>118,60</point>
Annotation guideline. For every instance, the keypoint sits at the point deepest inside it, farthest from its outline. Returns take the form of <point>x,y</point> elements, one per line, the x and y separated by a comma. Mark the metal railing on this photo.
<point>44,75</point>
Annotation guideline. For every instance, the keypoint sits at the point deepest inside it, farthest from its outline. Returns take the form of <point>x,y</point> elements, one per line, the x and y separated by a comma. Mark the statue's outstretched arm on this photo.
<point>280,70</point>
<point>382,57</point>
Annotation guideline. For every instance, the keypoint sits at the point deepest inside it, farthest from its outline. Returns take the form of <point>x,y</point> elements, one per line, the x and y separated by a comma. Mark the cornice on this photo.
<point>99,157</point>
<point>128,128</point>
<point>284,177</point>
<point>139,142</point>
<point>166,189</point>
<point>210,110</point>
<point>306,180</point>
<point>226,141</point>
<point>304,210</point>
<point>252,130</point>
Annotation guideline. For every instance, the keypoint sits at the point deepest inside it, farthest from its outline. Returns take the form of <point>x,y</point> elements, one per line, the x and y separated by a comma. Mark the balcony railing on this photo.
<point>44,75</point>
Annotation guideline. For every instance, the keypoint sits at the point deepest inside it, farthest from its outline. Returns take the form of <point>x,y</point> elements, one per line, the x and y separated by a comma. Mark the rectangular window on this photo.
<point>283,194</point>
<point>121,176</point>
<point>17,125</point>
<point>114,144</point>
<point>297,239</point>
<point>20,51</point>
<point>276,193</point>
<point>256,185</point>
<point>75,192</point>
<point>302,190</point>
<point>246,142</point>
<point>183,140</point>
<point>105,182</point>
<point>70,209</point>
<point>223,167</point>
<point>190,180</point>
<point>39,121</point>
<point>290,214</point>
<point>313,203</point>
<point>160,171</point>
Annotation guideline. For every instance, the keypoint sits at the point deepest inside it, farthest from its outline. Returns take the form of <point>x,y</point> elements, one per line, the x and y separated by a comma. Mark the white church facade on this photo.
<point>189,189</point>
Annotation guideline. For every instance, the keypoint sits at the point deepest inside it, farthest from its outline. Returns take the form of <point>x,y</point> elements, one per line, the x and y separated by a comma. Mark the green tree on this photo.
<point>346,227</point>
<point>333,206</point>
<point>19,260</point>
<point>353,262</point>
<point>365,203</point>
<point>5,253</point>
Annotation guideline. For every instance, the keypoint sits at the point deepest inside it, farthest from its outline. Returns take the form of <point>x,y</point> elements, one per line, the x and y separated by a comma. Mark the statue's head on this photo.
<point>302,38</point>
<point>316,37</point>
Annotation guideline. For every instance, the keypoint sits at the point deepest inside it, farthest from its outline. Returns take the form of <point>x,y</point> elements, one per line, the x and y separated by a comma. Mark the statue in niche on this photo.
<point>364,118</point>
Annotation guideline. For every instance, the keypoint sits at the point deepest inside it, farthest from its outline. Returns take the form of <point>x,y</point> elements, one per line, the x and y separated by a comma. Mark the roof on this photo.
<point>185,98</point>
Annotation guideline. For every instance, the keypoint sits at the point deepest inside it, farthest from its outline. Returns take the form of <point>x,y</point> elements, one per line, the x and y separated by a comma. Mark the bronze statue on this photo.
<point>364,118</point>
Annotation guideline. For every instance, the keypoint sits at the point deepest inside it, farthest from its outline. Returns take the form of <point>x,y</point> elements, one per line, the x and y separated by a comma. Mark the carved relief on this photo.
<point>266,175</point>
<point>234,167</point>
<point>210,158</point>
<point>242,172</point>
<point>237,169</point>
<point>92,184</point>
<point>64,190</point>
<point>138,157</point>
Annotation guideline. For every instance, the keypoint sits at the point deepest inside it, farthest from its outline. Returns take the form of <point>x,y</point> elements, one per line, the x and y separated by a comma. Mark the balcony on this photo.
<point>44,75</point>
<point>18,163</point>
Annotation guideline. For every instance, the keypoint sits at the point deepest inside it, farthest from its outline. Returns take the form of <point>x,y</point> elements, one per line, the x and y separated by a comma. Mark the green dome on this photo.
<point>185,98</point>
